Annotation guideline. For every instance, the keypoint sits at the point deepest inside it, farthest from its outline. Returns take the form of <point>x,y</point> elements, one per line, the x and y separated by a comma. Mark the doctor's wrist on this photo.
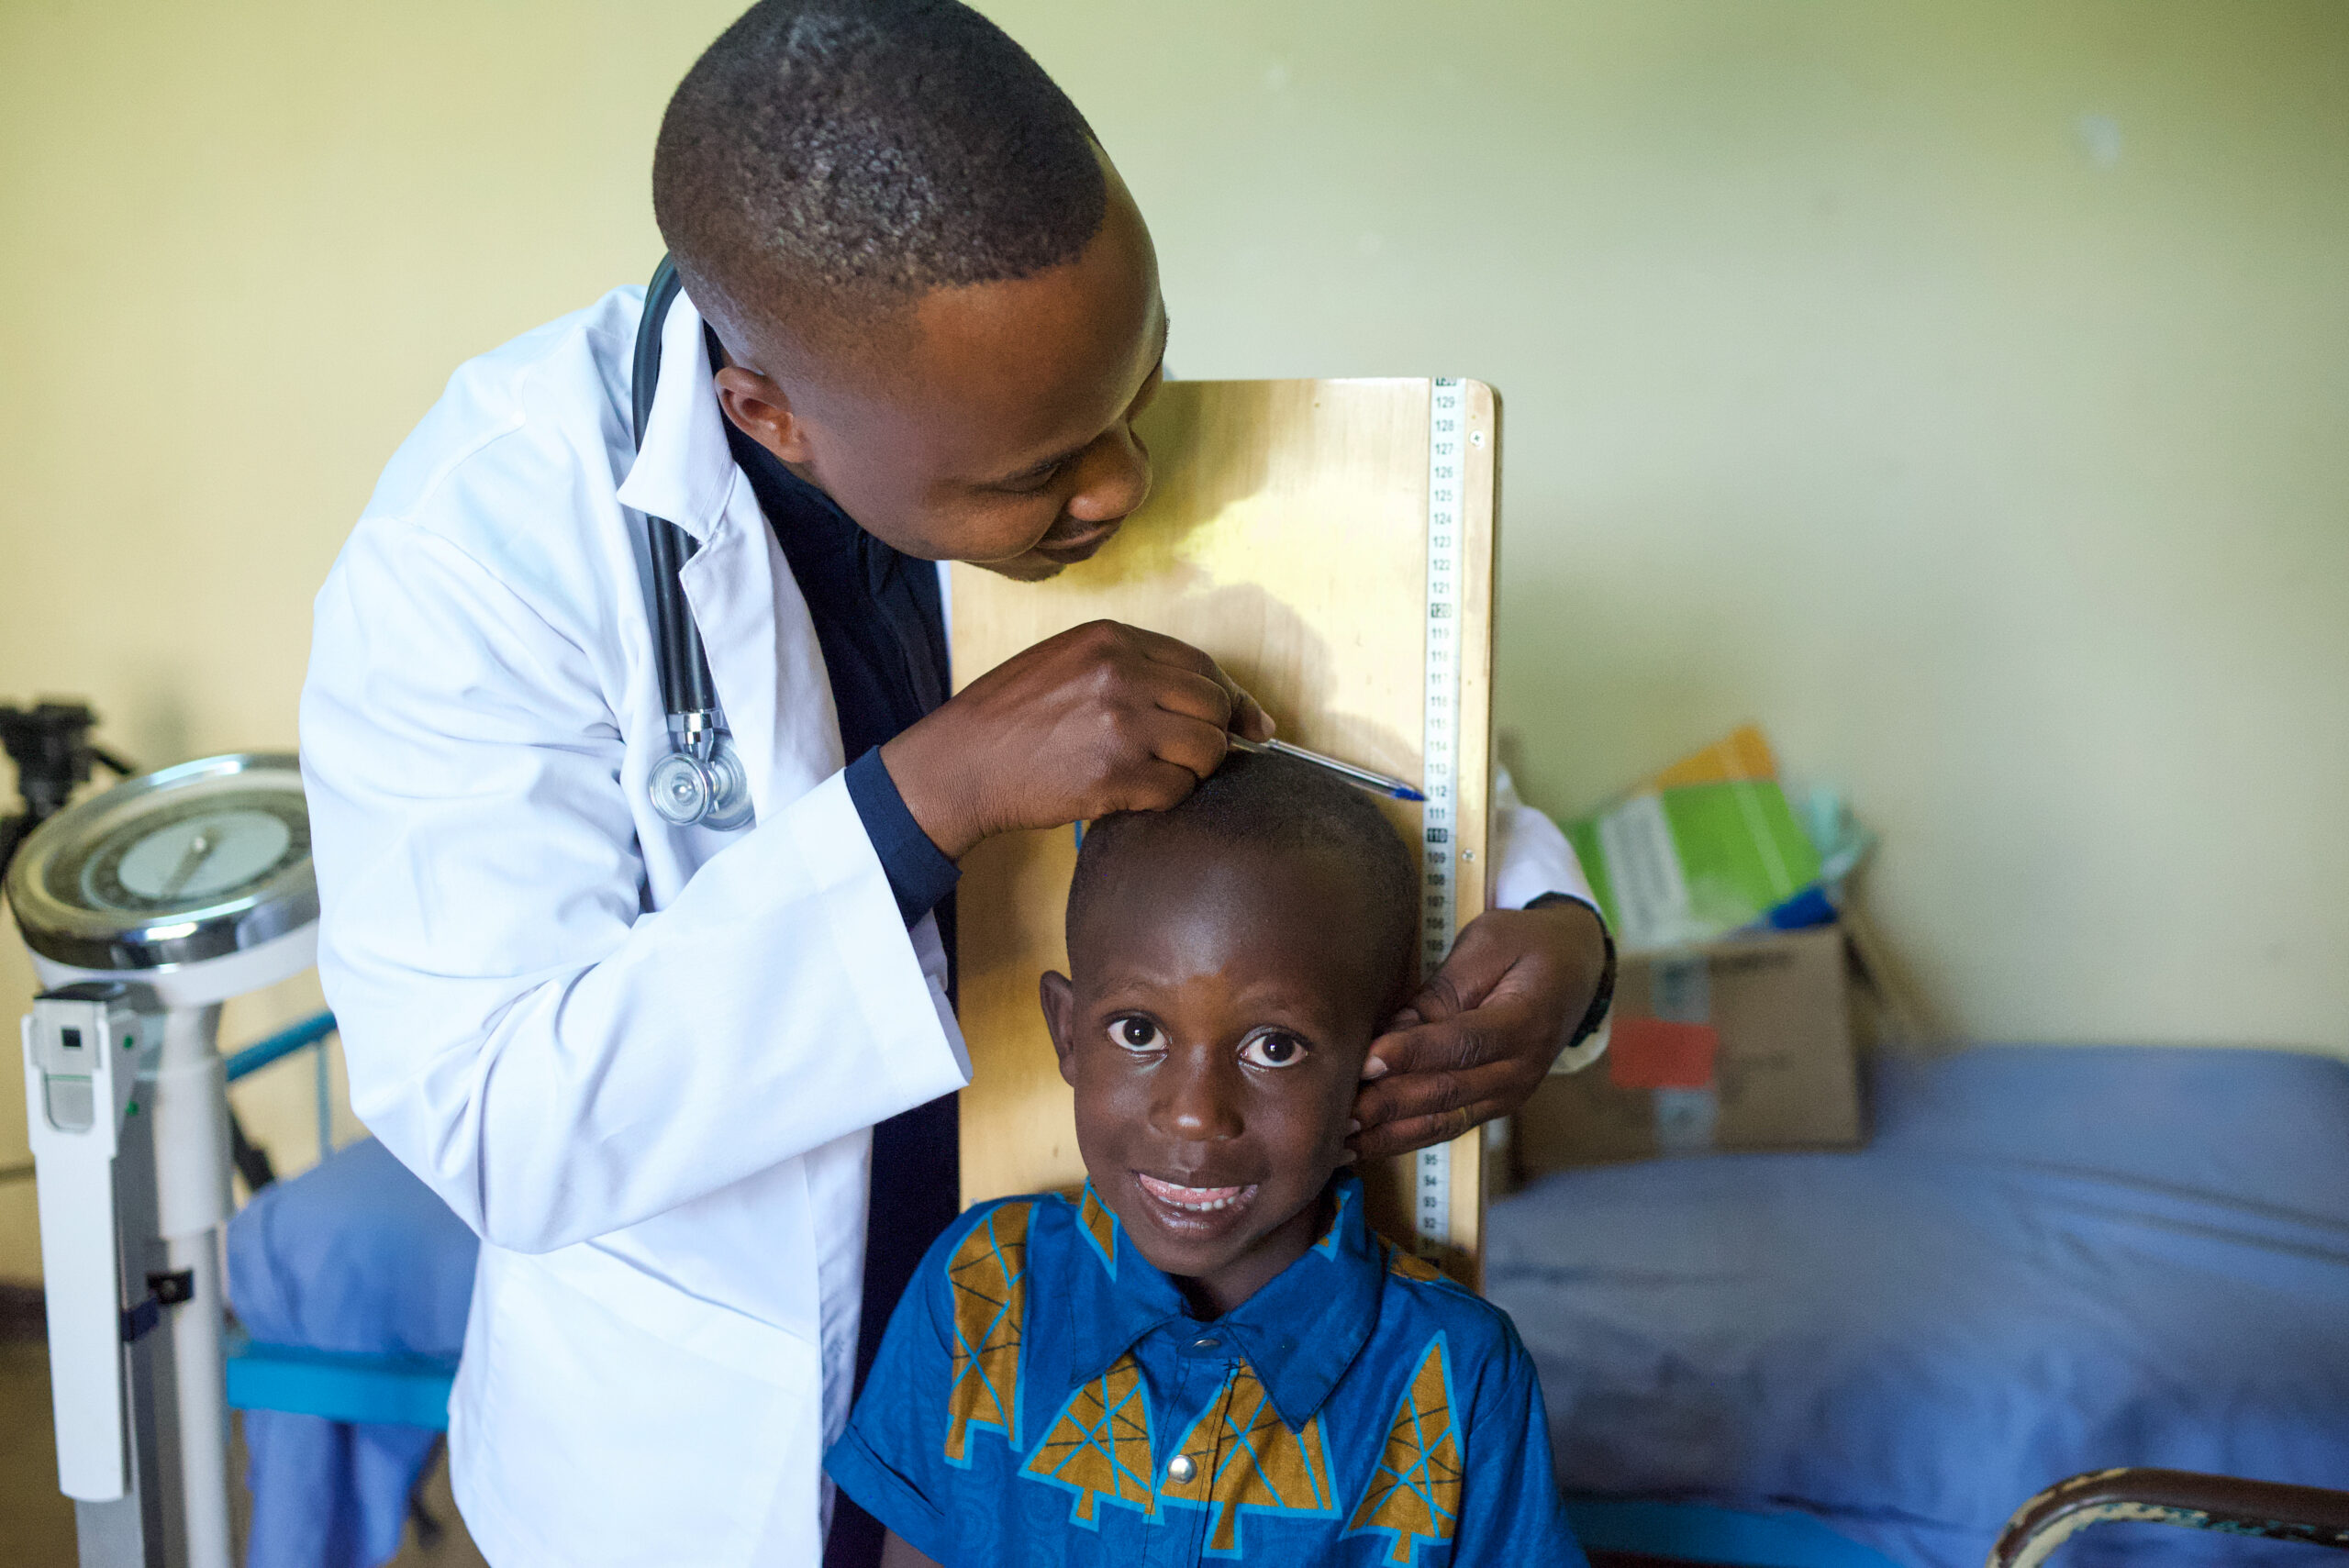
<point>1594,949</point>
<point>935,795</point>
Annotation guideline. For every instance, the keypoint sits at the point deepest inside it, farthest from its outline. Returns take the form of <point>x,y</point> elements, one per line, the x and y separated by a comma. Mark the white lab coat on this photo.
<point>641,1062</point>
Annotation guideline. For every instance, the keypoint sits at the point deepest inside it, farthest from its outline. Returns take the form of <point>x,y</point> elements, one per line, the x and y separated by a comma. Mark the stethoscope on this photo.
<point>700,782</point>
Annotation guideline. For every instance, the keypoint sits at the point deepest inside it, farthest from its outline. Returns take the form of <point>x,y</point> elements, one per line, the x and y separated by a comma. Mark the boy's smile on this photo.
<point>1224,996</point>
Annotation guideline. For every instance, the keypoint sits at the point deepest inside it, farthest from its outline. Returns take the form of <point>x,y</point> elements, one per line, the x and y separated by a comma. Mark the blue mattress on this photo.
<point>355,1256</point>
<point>2050,1259</point>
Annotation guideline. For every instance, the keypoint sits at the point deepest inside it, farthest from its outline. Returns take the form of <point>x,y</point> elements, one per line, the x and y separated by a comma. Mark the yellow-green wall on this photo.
<point>1962,391</point>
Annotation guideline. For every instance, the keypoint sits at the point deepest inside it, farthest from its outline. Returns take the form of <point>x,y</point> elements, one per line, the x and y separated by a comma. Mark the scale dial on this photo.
<point>190,864</point>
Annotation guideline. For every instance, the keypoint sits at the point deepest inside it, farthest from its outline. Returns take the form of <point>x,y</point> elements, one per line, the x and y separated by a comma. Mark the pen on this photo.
<point>1377,783</point>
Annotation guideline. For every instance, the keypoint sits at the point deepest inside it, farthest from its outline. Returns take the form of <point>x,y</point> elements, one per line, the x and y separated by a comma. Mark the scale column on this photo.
<point>193,1201</point>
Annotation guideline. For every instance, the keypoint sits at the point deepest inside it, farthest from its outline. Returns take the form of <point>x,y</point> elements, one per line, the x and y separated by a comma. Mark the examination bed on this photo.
<point>350,1283</point>
<point>2048,1261</point>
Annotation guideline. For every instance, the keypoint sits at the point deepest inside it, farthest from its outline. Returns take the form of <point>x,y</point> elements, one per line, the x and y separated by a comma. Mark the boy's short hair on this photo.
<point>1276,802</point>
<point>833,160</point>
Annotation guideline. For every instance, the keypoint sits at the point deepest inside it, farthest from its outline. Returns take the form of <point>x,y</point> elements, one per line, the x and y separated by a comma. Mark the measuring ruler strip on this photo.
<point>1439,750</point>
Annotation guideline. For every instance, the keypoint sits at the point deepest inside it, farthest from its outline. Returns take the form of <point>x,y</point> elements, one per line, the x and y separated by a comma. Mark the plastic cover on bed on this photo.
<point>2050,1260</point>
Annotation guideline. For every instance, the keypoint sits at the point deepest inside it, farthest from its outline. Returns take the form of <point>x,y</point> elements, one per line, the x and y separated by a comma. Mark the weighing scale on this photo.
<point>147,906</point>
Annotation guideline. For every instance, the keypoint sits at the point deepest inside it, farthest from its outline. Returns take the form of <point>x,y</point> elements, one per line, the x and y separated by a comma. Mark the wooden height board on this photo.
<point>1287,535</point>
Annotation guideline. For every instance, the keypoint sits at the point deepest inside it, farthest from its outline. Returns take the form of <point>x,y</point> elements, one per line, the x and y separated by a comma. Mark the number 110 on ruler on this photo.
<point>1439,917</point>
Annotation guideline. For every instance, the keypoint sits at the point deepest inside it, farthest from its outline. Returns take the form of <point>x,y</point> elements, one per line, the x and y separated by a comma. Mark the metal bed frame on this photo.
<point>2227,1504</point>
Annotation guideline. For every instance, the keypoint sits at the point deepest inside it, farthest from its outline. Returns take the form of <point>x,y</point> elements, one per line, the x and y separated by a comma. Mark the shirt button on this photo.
<point>1209,1343</point>
<point>1180,1468</point>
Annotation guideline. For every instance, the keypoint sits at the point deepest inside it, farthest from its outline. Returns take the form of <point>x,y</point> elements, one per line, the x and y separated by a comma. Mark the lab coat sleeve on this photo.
<point>555,1059</point>
<point>1531,857</point>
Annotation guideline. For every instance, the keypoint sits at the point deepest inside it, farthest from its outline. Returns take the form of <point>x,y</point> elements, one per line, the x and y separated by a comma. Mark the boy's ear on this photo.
<point>1059,997</point>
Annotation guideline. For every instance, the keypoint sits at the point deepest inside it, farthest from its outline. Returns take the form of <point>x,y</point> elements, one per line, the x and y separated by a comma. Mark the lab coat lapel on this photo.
<point>682,472</point>
<point>763,656</point>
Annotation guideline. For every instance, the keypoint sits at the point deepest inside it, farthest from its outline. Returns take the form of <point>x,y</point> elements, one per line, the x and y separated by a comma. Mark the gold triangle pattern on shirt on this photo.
<point>1327,1245</point>
<point>1409,1265</point>
<point>1098,1446</point>
<point>989,1275</point>
<point>1100,1228</point>
<point>1244,1456</point>
<point>1414,1494</point>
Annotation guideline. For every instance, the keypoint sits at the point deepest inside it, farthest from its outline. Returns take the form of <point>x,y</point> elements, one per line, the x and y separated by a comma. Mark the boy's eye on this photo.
<point>1273,1050</point>
<point>1135,1034</point>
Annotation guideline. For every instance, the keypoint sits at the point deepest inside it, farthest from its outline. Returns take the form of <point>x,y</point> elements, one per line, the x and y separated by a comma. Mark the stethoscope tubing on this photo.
<point>701,781</point>
<point>685,684</point>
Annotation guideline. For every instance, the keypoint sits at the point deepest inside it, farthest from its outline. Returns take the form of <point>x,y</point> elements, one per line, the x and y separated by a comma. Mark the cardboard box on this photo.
<point>1739,1045</point>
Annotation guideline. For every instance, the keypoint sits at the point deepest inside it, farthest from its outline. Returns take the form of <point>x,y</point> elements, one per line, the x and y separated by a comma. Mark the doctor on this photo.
<point>644,1062</point>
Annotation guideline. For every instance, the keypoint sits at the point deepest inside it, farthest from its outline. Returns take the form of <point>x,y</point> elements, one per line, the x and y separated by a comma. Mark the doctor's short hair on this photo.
<point>826,161</point>
<point>1275,802</point>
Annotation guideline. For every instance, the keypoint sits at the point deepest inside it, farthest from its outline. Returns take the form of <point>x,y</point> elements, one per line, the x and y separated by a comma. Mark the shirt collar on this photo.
<point>1298,1334</point>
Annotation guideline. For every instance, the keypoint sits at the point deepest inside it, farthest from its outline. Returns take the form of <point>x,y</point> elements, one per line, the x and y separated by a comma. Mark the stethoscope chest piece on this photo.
<point>690,788</point>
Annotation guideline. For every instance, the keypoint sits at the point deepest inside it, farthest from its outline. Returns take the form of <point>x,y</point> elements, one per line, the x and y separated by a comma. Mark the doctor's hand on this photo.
<point>1480,1037</point>
<point>1103,717</point>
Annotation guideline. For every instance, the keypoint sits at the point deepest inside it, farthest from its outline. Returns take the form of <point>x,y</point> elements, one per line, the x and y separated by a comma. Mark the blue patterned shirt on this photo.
<point>1044,1397</point>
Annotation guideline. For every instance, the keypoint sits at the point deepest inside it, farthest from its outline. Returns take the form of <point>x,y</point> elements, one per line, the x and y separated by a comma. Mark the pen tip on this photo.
<point>1407,792</point>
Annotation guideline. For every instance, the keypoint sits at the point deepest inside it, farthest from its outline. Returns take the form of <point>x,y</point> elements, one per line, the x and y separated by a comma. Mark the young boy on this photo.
<point>1209,1354</point>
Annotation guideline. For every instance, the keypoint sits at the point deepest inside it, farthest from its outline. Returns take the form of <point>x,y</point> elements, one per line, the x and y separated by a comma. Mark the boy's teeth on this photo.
<point>1203,1200</point>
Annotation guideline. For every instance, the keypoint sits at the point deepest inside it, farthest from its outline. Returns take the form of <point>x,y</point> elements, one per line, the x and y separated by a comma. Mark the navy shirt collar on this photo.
<point>1298,1334</point>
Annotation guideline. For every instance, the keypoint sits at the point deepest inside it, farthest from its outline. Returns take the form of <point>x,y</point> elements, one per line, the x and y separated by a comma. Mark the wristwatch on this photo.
<point>1573,1057</point>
